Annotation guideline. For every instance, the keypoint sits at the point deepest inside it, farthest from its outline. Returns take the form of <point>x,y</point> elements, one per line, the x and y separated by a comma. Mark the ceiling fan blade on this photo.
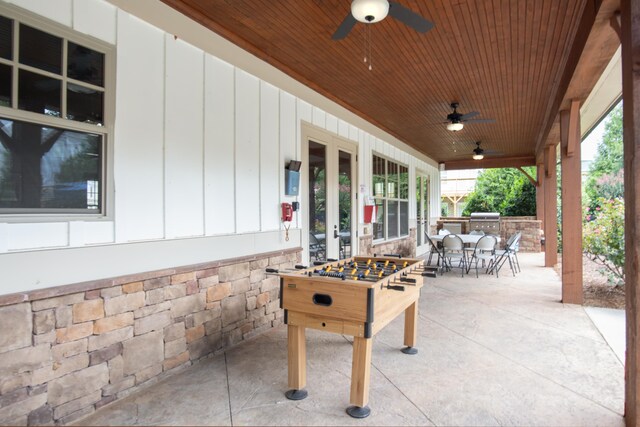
<point>480,121</point>
<point>469,115</point>
<point>344,28</point>
<point>409,17</point>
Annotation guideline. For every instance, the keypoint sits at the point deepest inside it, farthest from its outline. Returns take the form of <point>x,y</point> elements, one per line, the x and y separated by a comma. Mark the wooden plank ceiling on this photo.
<point>503,58</point>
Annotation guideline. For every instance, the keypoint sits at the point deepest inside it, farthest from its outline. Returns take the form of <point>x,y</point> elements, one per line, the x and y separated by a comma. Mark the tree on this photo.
<point>27,145</point>
<point>605,175</point>
<point>507,191</point>
<point>603,225</point>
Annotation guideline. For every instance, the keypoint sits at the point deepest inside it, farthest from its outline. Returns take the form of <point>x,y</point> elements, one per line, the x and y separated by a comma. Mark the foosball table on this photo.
<point>358,296</point>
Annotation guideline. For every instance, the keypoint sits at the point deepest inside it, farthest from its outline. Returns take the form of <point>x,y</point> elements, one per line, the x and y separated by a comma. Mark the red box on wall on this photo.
<point>369,214</point>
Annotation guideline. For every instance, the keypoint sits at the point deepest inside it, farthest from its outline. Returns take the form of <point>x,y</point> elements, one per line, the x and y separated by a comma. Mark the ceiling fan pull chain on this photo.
<point>364,42</point>
<point>370,49</point>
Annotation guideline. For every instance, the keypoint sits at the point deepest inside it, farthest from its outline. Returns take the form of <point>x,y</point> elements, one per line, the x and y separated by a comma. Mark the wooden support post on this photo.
<point>297,356</point>
<point>550,207</point>
<point>540,190</point>
<point>360,371</point>
<point>571,205</point>
<point>411,325</point>
<point>630,31</point>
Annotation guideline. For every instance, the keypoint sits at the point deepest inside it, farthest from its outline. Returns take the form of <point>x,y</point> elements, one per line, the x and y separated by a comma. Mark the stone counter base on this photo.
<point>64,356</point>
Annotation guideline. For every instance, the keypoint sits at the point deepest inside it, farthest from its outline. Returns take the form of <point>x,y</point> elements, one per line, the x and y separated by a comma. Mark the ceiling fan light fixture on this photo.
<point>369,11</point>
<point>478,157</point>
<point>455,126</point>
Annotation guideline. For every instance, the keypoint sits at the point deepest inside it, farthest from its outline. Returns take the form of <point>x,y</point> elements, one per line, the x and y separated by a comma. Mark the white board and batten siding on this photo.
<point>198,152</point>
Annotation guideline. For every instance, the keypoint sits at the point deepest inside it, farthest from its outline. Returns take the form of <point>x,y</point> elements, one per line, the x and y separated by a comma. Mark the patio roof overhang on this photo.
<point>519,63</point>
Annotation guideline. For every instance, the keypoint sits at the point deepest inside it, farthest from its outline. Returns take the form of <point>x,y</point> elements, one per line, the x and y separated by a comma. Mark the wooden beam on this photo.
<point>615,24</point>
<point>549,160</point>
<point>540,190</point>
<point>630,13</point>
<point>571,205</point>
<point>573,142</point>
<point>531,180</point>
<point>488,163</point>
<point>550,208</point>
<point>580,40</point>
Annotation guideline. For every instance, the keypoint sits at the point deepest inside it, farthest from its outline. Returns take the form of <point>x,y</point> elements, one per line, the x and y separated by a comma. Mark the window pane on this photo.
<point>404,218</point>
<point>85,64</point>
<point>5,85</point>
<point>40,50</point>
<point>6,38</point>
<point>392,180</point>
<point>51,168</point>
<point>404,183</point>
<point>344,201</point>
<point>378,177</point>
<point>317,191</point>
<point>84,104</point>
<point>392,218</point>
<point>378,226</point>
<point>38,93</point>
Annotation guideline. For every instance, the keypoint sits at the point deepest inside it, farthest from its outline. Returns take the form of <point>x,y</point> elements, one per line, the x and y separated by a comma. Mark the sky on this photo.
<point>589,146</point>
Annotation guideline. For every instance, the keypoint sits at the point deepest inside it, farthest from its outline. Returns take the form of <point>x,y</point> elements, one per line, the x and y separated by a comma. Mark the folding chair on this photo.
<point>453,248</point>
<point>507,254</point>
<point>485,251</point>
<point>316,249</point>
<point>433,249</point>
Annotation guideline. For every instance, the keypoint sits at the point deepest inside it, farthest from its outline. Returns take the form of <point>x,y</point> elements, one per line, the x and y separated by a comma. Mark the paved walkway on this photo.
<point>493,351</point>
<point>612,325</point>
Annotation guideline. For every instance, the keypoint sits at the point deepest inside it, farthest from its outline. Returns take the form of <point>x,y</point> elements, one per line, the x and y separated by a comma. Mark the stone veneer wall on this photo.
<point>530,227</point>
<point>405,247</point>
<point>69,350</point>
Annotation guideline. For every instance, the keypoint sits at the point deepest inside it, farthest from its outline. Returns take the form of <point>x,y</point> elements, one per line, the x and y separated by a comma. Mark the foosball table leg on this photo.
<point>297,362</point>
<point>411,329</point>
<point>360,377</point>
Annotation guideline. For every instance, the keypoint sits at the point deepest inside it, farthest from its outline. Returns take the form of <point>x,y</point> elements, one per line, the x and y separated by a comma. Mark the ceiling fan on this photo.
<point>371,11</point>
<point>455,120</point>
<point>479,153</point>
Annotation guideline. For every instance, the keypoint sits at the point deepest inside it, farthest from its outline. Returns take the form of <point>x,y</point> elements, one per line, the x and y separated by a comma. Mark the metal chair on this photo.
<point>316,249</point>
<point>507,254</point>
<point>433,250</point>
<point>453,248</point>
<point>485,251</point>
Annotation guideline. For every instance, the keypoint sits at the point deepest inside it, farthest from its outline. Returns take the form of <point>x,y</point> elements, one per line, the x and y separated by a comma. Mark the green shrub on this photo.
<point>603,237</point>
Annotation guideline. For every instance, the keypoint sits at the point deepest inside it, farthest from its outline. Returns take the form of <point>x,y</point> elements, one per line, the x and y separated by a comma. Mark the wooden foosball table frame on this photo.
<point>351,304</point>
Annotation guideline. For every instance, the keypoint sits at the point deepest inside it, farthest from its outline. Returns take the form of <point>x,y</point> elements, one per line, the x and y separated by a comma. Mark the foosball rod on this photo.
<point>285,270</point>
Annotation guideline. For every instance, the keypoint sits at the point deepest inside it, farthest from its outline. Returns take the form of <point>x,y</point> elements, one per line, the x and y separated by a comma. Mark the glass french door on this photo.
<point>422,208</point>
<point>331,199</point>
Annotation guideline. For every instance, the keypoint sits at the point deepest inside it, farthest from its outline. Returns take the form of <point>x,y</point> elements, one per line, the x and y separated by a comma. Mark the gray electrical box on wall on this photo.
<point>292,178</point>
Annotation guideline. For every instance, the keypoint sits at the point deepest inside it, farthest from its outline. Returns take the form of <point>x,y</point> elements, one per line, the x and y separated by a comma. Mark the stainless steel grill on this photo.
<point>489,222</point>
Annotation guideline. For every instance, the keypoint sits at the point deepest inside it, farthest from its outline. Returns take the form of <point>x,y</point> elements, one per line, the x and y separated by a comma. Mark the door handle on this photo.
<point>335,232</point>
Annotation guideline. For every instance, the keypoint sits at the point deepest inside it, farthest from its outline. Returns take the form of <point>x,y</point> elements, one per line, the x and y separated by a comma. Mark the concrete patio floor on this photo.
<point>492,352</point>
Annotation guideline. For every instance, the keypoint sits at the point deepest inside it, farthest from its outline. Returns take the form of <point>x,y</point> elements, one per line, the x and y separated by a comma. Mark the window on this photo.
<point>52,119</point>
<point>391,194</point>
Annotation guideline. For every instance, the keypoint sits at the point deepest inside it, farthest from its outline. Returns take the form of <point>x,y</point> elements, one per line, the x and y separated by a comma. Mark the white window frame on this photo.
<point>106,130</point>
<point>386,198</point>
